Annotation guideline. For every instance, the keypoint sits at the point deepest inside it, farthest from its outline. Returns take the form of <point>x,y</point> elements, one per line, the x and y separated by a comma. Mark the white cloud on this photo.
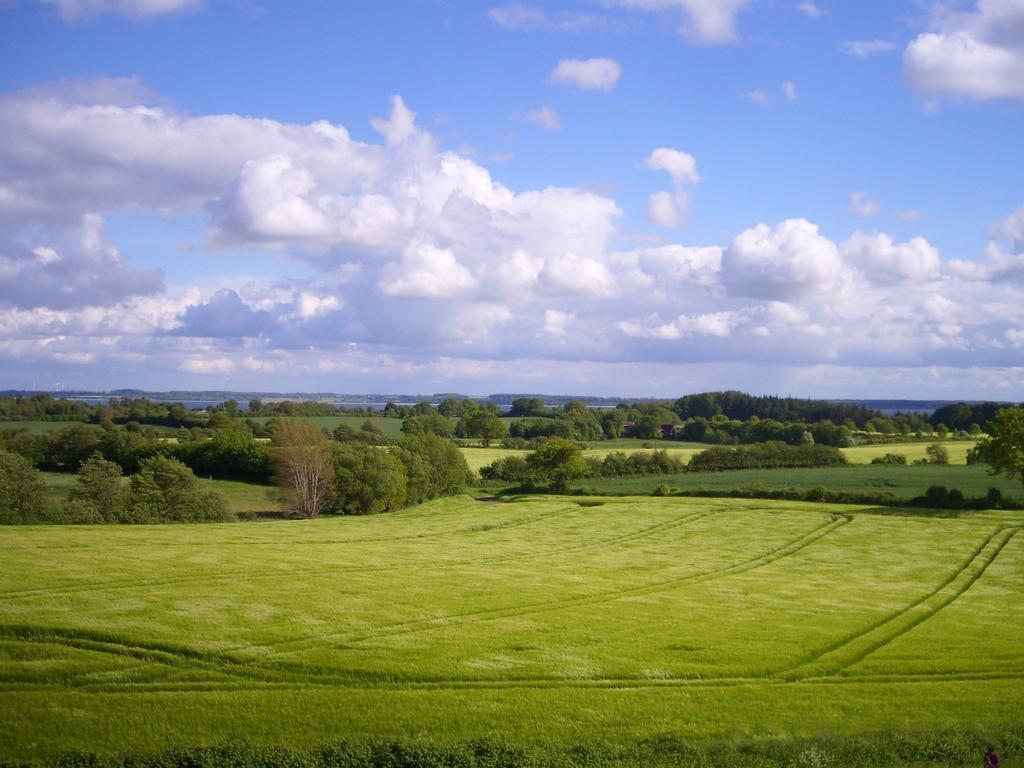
<point>858,204</point>
<point>718,324</point>
<point>782,262</point>
<point>427,272</point>
<point>544,116</point>
<point>556,321</point>
<point>670,209</point>
<point>811,10</point>
<point>758,97</point>
<point>216,366</point>
<point>977,54</point>
<point>908,214</point>
<point>415,255</point>
<point>525,17</point>
<point>862,49</point>
<point>789,90</point>
<point>711,22</point>
<point>587,74</point>
<point>76,10</point>
<point>882,259</point>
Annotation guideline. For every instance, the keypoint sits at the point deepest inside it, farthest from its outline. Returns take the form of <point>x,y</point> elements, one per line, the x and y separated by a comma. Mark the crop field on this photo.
<point>863,454</point>
<point>481,457</point>
<point>901,481</point>
<point>545,620</point>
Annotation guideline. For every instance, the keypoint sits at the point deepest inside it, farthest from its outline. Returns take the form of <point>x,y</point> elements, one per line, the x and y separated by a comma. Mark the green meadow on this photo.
<point>903,482</point>
<point>547,620</point>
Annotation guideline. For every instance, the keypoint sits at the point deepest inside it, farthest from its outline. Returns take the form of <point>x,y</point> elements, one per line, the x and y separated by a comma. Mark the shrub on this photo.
<point>367,479</point>
<point>890,458</point>
<point>165,490</point>
<point>21,490</point>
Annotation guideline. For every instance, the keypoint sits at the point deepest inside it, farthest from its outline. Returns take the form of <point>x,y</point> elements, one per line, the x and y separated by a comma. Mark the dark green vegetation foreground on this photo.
<point>546,621</point>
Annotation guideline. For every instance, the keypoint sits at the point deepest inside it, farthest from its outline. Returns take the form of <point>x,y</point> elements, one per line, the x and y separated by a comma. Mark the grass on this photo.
<point>902,482</point>
<point>242,497</point>
<point>40,426</point>
<point>863,454</point>
<point>544,620</point>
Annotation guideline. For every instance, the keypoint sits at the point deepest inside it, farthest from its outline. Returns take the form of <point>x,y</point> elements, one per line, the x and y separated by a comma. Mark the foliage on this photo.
<point>21,489</point>
<point>1003,449</point>
<point>433,423</point>
<point>937,454</point>
<point>557,462</point>
<point>483,424</point>
<point>434,467</point>
<point>367,479</point>
<point>890,459</point>
<point>165,490</point>
<point>938,749</point>
<point>99,494</point>
<point>302,465</point>
<point>766,455</point>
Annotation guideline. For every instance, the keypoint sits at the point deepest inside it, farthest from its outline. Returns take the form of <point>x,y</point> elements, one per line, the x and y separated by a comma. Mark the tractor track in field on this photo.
<point>241,668</point>
<point>491,614</point>
<point>69,589</point>
<point>361,682</point>
<point>228,577</point>
<point>855,648</point>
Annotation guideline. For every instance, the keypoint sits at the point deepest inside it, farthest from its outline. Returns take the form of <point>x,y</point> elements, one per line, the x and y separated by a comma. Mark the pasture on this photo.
<point>545,620</point>
<point>901,481</point>
<point>243,498</point>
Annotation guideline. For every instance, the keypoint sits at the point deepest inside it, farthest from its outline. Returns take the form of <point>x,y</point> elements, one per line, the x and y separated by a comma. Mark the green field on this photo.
<point>242,497</point>
<point>863,454</point>
<point>544,620</point>
<point>903,482</point>
<point>40,426</point>
<point>481,457</point>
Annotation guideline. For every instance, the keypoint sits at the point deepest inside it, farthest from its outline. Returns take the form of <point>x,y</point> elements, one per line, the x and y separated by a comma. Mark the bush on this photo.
<point>22,490</point>
<point>434,466</point>
<point>766,456</point>
<point>661,489</point>
<point>99,494</point>
<point>890,458</point>
<point>165,490</point>
<point>368,479</point>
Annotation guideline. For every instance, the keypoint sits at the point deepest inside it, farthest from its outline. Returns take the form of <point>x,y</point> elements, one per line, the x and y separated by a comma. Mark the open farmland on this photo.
<point>903,482</point>
<point>543,620</point>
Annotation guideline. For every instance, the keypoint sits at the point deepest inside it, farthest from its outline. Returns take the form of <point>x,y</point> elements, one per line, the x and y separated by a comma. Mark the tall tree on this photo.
<point>303,464</point>
<point>1003,449</point>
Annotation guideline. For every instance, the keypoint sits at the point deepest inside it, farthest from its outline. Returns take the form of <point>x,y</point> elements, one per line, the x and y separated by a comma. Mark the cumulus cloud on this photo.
<point>427,272</point>
<point>413,255</point>
<point>858,204</point>
<point>670,209</point>
<point>882,259</point>
<point>79,269</point>
<point>789,91</point>
<point>599,74</point>
<point>711,22</point>
<point>786,261</point>
<point>544,116</point>
<point>976,54</point>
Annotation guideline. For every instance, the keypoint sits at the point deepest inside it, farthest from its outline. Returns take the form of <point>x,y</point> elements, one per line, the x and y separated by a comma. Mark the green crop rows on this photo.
<point>542,620</point>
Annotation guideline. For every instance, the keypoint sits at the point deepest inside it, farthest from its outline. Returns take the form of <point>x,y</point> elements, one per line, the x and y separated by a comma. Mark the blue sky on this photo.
<point>631,197</point>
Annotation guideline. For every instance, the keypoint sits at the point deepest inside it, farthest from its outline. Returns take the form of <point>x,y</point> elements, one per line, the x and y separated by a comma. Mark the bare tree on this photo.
<point>303,464</point>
